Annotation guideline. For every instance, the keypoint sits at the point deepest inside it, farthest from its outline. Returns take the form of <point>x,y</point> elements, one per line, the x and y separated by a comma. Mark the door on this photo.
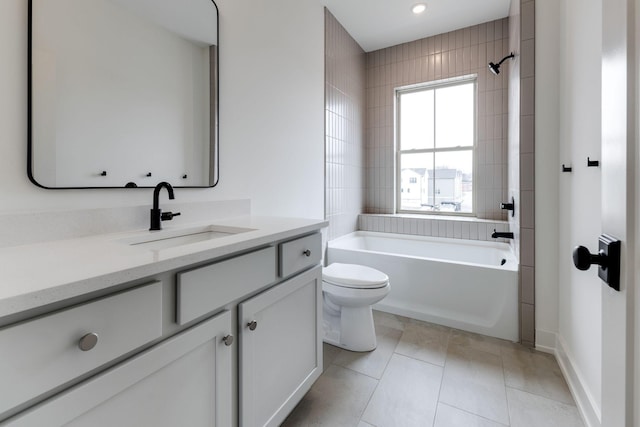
<point>280,348</point>
<point>619,151</point>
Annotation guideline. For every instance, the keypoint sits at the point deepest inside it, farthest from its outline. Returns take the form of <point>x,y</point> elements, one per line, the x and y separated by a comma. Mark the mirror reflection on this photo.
<point>123,93</point>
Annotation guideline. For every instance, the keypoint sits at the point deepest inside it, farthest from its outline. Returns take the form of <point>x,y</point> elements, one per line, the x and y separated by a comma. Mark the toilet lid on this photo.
<point>354,276</point>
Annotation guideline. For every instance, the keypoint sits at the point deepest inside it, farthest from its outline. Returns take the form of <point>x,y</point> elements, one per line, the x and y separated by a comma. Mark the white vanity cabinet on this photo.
<point>234,340</point>
<point>280,348</point>
<point>44,353</point>
<point>183,381</point>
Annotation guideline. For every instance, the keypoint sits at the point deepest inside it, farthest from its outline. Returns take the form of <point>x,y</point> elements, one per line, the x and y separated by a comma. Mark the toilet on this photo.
<point>349,291</point>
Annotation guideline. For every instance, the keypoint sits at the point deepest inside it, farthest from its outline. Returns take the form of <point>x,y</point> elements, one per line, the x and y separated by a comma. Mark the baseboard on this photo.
<point>546,341</point>
<point>584,400</point>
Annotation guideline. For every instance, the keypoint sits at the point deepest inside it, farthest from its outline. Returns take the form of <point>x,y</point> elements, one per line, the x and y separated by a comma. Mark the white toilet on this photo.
<point>349,291</point>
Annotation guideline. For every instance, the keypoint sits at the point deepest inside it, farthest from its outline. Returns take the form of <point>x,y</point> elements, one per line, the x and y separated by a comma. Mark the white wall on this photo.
<point>271,114</point>
<point>575,95</point>
<point>272,103</point>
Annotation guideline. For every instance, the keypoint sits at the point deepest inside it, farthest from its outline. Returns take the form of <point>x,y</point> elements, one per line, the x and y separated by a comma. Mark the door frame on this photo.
<point>619,189</point>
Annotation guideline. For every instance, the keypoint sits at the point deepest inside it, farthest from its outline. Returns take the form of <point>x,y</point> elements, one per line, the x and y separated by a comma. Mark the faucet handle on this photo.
<point>168,216</point>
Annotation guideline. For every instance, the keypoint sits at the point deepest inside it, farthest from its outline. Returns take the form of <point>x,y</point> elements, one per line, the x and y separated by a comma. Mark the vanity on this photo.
<point>206,325</point>
<point>210,324</point>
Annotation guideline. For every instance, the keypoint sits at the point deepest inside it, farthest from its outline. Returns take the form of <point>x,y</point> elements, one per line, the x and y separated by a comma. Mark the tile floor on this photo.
<point>428,375</point>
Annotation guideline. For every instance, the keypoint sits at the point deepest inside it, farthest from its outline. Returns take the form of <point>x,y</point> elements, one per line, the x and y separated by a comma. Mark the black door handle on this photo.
<point>607,259</point>
<point>583,259</point>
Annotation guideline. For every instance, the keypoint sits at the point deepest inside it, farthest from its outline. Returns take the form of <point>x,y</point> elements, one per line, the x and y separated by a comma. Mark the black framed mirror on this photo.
<point>123,93</point>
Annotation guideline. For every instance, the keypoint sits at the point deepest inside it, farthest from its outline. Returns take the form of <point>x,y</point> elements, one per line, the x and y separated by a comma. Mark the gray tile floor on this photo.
<point>427,375</point>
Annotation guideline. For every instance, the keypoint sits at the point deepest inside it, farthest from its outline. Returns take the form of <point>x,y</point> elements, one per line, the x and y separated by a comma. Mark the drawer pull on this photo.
<point>228,340</point>
<point>252,325</point>
<point>88,341</point>
<point>307,252</point>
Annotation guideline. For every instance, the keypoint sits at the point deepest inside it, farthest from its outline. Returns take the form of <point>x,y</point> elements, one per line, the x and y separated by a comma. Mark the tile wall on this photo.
<point>457,53</point>
<point>344,128</point>
<point>450,227</point>
<point>360,161</point>
<point>522,156</point>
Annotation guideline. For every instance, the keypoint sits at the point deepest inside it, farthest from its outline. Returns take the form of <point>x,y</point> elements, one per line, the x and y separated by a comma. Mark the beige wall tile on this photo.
<point>527,285</point>
<point>527,325</point>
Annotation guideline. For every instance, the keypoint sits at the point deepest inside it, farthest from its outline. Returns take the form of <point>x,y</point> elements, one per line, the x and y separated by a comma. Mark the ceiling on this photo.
<point>376,24</point>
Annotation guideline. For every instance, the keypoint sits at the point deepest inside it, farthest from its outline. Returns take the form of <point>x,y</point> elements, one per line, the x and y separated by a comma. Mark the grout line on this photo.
<point>357,372</point>
<point>543,396</point>
<point>420,360</point>
<point>474,414</point>
<point>367,405</point>
<point>360,373</point>
<point>504,382</point>
<point>446,356</point>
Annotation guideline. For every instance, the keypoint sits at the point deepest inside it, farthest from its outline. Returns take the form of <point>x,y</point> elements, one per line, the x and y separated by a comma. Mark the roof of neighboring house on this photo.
<point>444,173</point>
<point>419,171</point>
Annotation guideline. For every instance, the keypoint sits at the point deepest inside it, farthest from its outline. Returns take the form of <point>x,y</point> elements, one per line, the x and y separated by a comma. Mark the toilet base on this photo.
<point>352,329</point>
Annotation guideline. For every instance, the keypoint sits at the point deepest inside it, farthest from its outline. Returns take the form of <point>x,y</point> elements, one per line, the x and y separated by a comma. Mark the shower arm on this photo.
<point>511,55</point>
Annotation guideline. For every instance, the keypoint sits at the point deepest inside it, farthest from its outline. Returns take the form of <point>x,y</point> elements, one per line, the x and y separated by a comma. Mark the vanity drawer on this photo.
<point>299,254</point>
<point>44,353</point>
<point>205,289</point>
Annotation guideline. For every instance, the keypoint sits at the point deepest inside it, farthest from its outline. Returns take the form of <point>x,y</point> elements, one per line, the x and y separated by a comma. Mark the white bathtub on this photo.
<point>465,284</point>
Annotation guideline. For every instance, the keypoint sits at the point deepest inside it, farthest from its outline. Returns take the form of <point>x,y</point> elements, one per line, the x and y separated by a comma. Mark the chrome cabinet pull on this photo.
<point>88,341</point>
<point>228,340</point>
<point>307,252</point>
<point>252,325</point>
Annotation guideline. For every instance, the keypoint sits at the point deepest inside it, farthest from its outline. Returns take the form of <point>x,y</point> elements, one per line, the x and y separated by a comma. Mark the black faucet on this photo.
<point>156,213</point>
<point>505,234</point>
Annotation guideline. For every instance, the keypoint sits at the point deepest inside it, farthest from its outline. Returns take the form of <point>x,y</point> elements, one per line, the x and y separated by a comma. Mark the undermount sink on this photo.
<point>164,239</point>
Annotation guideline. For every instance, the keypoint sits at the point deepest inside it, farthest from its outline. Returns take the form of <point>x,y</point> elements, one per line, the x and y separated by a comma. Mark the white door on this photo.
<point>619,80</point>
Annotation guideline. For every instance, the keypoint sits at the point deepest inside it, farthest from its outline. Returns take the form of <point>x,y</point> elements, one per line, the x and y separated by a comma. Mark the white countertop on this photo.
<point>38,274</point>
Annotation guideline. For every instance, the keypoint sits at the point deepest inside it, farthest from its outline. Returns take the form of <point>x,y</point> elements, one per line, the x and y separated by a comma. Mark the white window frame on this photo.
<point>473,78</point>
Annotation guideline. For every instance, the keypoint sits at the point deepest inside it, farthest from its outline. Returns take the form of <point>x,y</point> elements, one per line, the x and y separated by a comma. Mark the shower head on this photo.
<point>495,68</point>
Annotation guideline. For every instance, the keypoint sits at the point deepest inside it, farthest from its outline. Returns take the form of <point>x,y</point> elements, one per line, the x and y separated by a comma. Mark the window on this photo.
<point>436,132</point>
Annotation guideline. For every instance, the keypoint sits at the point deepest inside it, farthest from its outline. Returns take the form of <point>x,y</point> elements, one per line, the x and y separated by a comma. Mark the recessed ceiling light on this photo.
<point>419,8</point>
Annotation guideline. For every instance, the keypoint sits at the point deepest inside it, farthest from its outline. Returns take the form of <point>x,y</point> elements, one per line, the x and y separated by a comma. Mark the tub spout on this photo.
<point>505,234</point>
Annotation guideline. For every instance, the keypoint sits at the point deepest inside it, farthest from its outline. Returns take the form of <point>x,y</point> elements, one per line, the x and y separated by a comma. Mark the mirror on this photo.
<point>123,93</point>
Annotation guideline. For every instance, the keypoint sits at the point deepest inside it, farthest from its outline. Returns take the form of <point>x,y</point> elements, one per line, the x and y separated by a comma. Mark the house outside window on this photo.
<point>436,138</point>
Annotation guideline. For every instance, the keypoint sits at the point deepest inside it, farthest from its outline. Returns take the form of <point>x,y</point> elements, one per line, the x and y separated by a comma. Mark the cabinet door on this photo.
<point>280,348</point>
<point>183,381</point>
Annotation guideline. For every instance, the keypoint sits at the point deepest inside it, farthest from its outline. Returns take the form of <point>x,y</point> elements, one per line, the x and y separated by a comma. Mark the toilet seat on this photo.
<point>354,276</point>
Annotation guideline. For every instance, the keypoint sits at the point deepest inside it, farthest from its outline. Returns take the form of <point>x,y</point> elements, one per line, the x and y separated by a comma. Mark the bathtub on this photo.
<point>465,284</point>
